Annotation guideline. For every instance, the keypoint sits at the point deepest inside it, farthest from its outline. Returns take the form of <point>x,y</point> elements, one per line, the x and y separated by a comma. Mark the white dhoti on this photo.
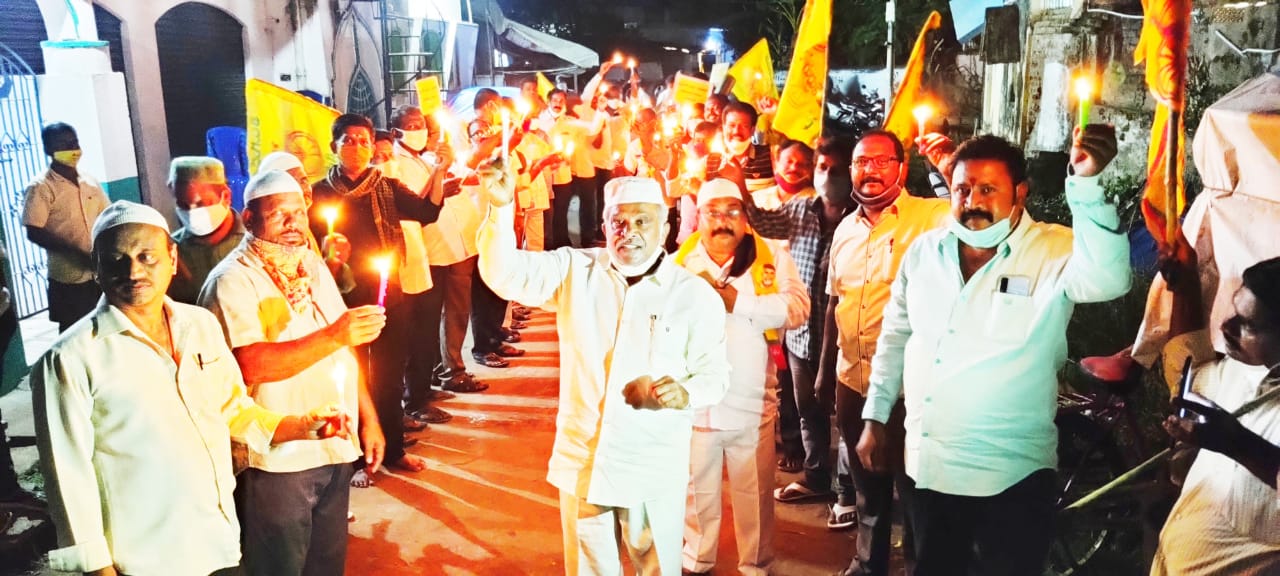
<point>650,533</point>
<point>1198,540</point>
<point>749,456</point>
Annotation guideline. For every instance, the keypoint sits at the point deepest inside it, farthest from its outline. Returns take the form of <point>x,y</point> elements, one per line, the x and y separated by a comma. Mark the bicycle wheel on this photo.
<point>1088,458</point>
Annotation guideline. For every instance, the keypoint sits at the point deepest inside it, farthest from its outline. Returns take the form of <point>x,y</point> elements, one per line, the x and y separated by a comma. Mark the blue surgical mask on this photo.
<point>989,237</point>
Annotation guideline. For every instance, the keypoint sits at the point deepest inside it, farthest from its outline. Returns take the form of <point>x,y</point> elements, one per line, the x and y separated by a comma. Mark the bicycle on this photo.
<point>1093,430</point>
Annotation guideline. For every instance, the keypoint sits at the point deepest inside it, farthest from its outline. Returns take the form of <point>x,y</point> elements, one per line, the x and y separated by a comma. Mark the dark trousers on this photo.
<point>815,422</point>
<point>71,302</point>
<point>385,371</point>
<point>488,310</point>
<point>603,177</point>
<point>1008,534</point>
<point>788,416</point>
<point>584,189</point>
<point>295,524</point>
<point>9,486</point>
<point>440,315</point>
<point>874,491</point>
<point>673,221</point>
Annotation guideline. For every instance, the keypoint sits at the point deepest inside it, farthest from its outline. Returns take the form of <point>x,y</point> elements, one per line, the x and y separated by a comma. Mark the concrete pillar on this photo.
<point>79,88</point>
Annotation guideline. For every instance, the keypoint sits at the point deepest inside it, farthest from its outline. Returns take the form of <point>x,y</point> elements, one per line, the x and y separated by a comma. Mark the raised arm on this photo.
<point>530,278</point>
<point>1098,269</point>
<point>774,224</point>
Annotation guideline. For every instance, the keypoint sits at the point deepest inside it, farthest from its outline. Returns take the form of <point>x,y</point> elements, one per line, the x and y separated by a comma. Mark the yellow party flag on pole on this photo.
<point>753,74</point>
<point>899,120</point>
<point>802,107</point>
<point>545,86</point>
<point>1163,46</point>
<point>280,119</point>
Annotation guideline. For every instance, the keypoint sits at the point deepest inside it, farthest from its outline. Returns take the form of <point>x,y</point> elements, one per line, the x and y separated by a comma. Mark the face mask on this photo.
<point>832,186</point>
<point>792,188</point>
<point>355,156</point>
<point>737,147</point>
<point>67,158</point>
<point>414,139</point>
<point>989,237</point>
<point>633,270</point>
<point>204,220</point>
<point>613,103</point>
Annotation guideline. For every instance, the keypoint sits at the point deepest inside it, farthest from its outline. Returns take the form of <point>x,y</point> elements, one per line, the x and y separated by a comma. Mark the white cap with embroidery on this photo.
<point>123,212</point>
<point>718,188</point>
<point>633,190</point>
<point>279,160</point>
<point>270,183</point>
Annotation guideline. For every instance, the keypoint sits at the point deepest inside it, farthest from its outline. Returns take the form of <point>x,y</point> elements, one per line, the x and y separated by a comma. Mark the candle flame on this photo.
<point>631,63</point>
<point>922,112</point>
<point>523,107</point>
<point>330,213</point>
<point>1084,88</point>
<point>340,374</point>
<point>717,146</point>
<point>558,142</point>
<point>382,264</point>
<point>568,149</point>
<point>691,165</point>
<point>617,57</point>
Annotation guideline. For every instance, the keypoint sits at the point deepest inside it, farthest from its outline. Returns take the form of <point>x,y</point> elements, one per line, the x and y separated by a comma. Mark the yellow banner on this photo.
<point>1163,46</point>
<point>690,90</point>
<point>280,119</point>
<point>428,95</point>
<point>800,111</point>
<point>753,75</point>
<point>545,86</point>
<point>899,119</point>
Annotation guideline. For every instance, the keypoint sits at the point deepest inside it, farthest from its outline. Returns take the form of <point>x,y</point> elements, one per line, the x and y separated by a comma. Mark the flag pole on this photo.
<point>889,17</point>
<point>1172,185</point>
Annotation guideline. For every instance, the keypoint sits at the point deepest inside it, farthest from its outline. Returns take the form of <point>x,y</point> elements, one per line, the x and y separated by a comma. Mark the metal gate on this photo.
<point>21,161</point>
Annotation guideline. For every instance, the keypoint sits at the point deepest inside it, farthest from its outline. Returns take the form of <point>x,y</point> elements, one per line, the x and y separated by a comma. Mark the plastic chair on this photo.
<point>227,144</point>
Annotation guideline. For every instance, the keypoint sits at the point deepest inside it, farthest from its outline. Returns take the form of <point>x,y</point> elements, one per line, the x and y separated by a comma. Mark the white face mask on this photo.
<point>414,139</point>
<point>737,147</point>
<point>633,270</point>
<point>204,220</point>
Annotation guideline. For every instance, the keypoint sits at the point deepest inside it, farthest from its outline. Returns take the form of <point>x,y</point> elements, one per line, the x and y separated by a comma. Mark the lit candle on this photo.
<point>617,57</point>
<point>558,142</point>
<point>686,112</point>
<point>717,147</point>
<point>340,380</point>
<point>506,133</point>
<point>631,63</point>
<point>446,125</point>
<point>523,108</point>
<point>568,149</point>
<point>330,214</point>
<point>1084,91</point>
<point>383,265</point>
<point>690,167</point>
<point>922,114</point>
<point>669,126</point>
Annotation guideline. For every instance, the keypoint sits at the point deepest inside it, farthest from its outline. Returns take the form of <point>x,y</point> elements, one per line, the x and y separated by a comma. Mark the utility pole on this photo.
<point>889,17</point>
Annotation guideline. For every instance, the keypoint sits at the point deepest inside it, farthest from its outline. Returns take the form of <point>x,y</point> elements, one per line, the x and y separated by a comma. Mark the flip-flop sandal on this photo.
<point>492,360</point>
<point>361,479</point>
<point>466,385</point>
<point>842,519</point>
<point>509,351</point>
<point>797,492</point>
<point>517,325</point>
<point>510,336</point>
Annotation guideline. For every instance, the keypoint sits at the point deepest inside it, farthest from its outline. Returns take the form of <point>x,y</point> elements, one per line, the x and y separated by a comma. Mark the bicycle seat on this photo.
<point>1118,372</point>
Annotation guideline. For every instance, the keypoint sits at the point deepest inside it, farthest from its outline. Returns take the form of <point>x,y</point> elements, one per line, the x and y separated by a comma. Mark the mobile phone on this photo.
<point>1185,385</point>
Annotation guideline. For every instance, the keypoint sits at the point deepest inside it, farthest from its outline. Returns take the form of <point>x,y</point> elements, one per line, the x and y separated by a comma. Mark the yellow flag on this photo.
<point>899,119</point>
<point>753,74</point>
<point>428,95</point>
<point>280,119</point>
<point>544,86</point>
<point>800,111</point>
<point>690,90</point>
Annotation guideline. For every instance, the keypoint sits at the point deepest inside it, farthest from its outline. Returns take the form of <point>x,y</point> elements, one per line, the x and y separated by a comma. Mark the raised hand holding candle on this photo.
<point>1084,92</point>
<point>330,214</point>
<point>922,114</point>
<point>383,265</point>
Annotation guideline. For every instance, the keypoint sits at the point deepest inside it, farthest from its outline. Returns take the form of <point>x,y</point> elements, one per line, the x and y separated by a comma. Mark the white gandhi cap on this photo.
<point>718,188</point>
<point>279,160</point>
<point>633,190</point>
<point>123,212</point>
<point>270,183</point>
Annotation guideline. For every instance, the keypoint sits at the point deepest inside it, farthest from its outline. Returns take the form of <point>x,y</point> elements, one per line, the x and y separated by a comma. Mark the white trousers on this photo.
<point>749,457</point>
<point>650,533</point>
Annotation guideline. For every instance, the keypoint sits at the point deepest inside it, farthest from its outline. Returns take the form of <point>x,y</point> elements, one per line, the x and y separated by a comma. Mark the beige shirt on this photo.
<point>864,261</point>
<point>67,210</point>
<point>452,237</point>
<point>136,449</point>
<point>251,310</point>
<point>669,323</point>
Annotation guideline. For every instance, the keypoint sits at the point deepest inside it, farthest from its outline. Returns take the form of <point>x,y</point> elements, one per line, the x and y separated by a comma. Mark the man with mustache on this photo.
<point>571,135</point>
<point>135,409</point>
<point>642,346</point>
<point>762,293</point>
<point>866,250</point>
<point>973,336</point>
<point>293,338</point>
<point>738,129</point>
<point>58,210</point>
<point>809,225</point>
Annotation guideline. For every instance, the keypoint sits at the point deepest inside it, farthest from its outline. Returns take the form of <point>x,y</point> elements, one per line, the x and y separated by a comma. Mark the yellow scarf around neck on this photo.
<point>764,273</point>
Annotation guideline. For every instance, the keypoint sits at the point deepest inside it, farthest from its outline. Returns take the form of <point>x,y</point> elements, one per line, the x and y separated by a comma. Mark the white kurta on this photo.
<point>670,323</point>
<point>136,450</point>
<point>253,310</point>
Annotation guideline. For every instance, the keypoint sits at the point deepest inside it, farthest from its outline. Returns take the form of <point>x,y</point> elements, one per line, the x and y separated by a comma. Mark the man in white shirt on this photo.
<point>762,293</point>
<point>973,336</point>
<point>642,345</point>
<point>135,409</point>
<point>572,135</point>
<point>292,336</point>
<point>1226,519</point>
